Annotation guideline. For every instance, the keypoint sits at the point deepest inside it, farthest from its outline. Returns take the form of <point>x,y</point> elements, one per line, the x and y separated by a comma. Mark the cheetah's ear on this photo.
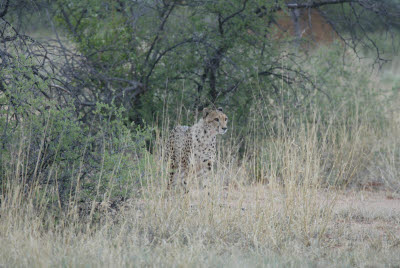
<point>206,111</point>
<point>219,109</point>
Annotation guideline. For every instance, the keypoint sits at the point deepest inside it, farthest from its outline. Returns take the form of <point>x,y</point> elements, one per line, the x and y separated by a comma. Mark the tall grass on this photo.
<point>272,207</point>
<point>269,202</point>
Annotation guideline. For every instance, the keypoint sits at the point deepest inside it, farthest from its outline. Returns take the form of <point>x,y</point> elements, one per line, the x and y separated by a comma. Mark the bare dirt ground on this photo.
<point>360,210</point>
<point>377,203</point>
<point>364,224</point>
<point>370,202</point>
<point>370,212</point>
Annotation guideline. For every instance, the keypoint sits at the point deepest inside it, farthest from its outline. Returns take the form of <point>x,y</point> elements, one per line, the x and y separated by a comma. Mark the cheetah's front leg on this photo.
<point>203,172</point>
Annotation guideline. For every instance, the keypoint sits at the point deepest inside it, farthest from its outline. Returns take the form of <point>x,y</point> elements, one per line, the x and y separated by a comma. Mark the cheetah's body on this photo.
<point>194,148</point>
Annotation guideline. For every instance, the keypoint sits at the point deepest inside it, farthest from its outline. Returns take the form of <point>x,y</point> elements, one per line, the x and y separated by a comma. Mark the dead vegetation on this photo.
<point>274,207</point>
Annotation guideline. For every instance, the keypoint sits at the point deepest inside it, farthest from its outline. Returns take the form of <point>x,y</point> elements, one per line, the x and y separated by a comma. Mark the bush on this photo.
<point>47,149</point>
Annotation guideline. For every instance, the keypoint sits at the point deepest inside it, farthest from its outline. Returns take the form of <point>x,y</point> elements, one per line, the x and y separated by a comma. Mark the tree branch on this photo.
<point>162,55</point>
<point>236,13</point>
<point>160,29</point>
<point>314,4</point>
<point>4,12</point>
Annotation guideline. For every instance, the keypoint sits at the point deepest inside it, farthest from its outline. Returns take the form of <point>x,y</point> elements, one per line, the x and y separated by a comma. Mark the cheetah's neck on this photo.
<point>204,132</point>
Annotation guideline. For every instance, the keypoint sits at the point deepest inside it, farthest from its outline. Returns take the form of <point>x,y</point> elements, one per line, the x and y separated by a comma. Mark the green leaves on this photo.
<point>46,143</point>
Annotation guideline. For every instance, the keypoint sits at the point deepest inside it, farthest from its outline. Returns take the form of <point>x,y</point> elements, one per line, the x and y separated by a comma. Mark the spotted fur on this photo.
<point>193,149</point>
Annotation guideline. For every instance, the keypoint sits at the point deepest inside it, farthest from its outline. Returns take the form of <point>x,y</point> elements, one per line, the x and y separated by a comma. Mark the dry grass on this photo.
<point>293,218</point>
<point>285,202</point>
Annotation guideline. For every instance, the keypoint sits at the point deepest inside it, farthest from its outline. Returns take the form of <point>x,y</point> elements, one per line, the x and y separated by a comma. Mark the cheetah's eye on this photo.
<point>226,119</point>
<point>216,119</point>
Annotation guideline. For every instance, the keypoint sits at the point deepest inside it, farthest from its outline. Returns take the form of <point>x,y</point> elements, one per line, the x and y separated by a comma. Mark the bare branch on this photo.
<point>315,4</point>
<point>5,9</point>
<point>160,29</point>
<point>235,13</point>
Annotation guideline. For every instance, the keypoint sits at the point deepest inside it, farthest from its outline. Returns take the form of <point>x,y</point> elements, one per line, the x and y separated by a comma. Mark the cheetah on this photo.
<point>194,148</point>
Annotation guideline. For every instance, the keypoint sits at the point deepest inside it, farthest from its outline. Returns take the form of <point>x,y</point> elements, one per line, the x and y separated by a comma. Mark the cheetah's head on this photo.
<point>216,119</point>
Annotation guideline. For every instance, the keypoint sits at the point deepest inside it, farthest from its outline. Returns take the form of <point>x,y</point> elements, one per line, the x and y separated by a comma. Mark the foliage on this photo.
<point>145,58</point>
<point>152,61</point>
<point>47,146</point>
<point>77,182</point>
<point>154,56</point>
